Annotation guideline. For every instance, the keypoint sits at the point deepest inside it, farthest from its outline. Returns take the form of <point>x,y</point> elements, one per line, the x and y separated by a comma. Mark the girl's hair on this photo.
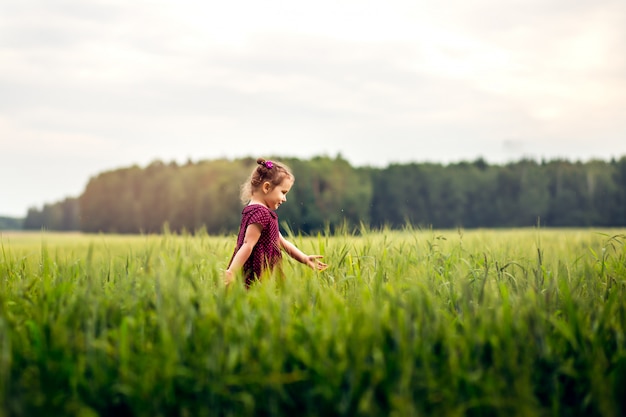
<point>265,171</point>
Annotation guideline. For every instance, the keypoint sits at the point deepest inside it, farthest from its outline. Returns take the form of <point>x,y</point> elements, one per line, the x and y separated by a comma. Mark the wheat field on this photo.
<point>511,322</point>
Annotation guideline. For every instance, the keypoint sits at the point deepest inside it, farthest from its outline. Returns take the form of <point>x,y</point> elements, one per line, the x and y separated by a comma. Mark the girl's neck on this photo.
<point>255,201</point>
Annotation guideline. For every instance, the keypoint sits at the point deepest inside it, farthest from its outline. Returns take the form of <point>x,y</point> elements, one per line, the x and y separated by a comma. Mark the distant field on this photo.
<point>521,322</point>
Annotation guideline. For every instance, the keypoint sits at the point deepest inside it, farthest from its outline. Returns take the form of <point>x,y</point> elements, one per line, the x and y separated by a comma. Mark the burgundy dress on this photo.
<point>266,253</point>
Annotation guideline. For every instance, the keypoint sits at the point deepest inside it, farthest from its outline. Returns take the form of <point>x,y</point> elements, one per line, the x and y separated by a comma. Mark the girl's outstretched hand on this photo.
<point>314,262</point>
<point>228,277</point>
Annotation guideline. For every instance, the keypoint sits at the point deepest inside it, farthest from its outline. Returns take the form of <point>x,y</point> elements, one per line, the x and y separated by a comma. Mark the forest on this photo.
<point>330,193</point>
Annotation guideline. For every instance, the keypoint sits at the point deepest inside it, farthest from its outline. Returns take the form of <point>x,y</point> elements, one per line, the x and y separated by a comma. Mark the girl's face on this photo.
<point>274,197</point>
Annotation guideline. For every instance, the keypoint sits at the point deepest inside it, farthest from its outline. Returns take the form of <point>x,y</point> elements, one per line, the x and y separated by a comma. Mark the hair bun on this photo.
<point>265,163</point>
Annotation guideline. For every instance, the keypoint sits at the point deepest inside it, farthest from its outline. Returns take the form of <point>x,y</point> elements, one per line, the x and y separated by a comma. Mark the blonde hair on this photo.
<point>265,171</point>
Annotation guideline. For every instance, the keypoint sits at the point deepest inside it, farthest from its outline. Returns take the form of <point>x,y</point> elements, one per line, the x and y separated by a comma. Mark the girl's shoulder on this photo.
<point>258,210</point>
<point>255,207</point>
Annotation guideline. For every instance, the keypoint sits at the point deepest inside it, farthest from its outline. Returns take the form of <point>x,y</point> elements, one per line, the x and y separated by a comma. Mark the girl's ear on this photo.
<point>266,187</point>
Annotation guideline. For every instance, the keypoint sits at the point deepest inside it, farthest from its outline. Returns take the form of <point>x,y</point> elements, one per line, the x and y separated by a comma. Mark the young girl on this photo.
<point>259,242</point>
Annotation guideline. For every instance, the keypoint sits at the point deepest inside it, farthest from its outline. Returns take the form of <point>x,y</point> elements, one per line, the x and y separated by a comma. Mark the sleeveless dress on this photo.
<point>266,253</point>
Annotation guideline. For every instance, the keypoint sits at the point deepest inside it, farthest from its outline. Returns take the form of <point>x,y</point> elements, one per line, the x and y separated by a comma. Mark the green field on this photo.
<point>522,322</point>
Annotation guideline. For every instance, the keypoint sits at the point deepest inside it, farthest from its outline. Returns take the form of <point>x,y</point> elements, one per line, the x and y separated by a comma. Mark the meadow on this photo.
<point>515,322</point>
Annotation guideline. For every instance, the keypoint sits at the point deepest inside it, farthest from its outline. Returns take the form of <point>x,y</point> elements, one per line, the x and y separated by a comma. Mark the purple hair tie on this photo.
<point>268,164</point>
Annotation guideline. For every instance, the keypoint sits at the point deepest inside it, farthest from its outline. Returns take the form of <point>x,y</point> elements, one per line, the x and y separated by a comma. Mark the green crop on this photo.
<point>521,322</point>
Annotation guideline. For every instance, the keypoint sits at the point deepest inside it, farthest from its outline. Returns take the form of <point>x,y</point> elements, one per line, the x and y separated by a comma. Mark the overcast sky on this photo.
<point>94,85</point>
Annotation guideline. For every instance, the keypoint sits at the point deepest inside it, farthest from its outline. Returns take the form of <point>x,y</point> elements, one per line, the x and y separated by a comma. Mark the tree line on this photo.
<point>331,193</point>
<point>10,223</point>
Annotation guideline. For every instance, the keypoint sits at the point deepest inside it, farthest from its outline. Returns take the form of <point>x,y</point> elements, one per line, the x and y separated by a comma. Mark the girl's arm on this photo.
<point>310,260</point>
<point>250,239</point>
